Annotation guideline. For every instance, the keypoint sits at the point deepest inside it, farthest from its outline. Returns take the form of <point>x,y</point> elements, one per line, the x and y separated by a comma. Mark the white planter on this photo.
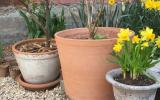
<point>128,92</point>
<point>37,68</point>
<point>156,68</point>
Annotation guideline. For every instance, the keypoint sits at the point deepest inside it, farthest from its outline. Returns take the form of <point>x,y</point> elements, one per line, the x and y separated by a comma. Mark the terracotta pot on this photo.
<point>37,87</point>
<point>4,69</point>
<point>14,71</point>
<point>37,67</point>
<point>85,62</point>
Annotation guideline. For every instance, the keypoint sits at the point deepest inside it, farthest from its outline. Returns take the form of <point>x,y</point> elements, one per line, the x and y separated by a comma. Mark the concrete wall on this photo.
<point>12,25</point>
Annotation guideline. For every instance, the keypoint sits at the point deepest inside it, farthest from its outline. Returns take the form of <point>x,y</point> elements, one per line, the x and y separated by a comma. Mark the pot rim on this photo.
<point>112,73</point>
<point>83,40</point>
<point>30,40</point>
<point>61,39</point>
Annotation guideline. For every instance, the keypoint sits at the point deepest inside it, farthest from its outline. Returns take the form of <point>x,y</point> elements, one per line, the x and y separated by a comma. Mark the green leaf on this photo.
<point>99,36</point>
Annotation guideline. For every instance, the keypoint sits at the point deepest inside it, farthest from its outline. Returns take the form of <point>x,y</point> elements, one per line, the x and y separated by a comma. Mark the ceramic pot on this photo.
<point>37,67</point>
<point>129,92</point>
<point>84,63</point>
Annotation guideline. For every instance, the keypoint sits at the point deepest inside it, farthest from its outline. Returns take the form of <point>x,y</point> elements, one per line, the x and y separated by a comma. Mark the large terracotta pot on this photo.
<point>85,62</point>
<point>37,68</point>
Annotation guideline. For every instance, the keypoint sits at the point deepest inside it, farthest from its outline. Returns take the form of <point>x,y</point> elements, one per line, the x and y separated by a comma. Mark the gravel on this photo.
<point>11,90</point>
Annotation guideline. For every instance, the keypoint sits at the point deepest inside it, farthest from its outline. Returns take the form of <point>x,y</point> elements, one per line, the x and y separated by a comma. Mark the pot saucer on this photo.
<point>37,87</point>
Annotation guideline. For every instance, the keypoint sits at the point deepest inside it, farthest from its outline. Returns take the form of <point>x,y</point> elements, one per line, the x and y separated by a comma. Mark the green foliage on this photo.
<point>99,36</point>
<point>136,17</point>
<point>135,60</point>
<point>34,31</point>
<point>54,22</point>
<point>109,17</point>
<point>136,57</point>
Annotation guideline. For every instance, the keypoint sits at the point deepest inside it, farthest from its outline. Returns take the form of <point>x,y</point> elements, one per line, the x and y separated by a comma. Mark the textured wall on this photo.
<point>13,28</point>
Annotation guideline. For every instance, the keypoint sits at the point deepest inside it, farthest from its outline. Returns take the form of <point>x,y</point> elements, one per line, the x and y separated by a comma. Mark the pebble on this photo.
<point>11,90</point>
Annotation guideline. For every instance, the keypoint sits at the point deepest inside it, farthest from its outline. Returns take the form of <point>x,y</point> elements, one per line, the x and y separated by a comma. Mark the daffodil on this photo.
<point>145,44</point>
<point>124,34</point>
<point>119,40</point>
<point>147,34</point>
<point>158,42</point>
<point>157,4</point>
<point>135,39</point>
<point>150,4</point>
<point>111,2</point>
<point>117,47</point>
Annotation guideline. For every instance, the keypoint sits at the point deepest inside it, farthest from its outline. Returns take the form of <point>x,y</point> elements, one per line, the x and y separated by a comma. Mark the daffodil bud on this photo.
<point>123,6</point>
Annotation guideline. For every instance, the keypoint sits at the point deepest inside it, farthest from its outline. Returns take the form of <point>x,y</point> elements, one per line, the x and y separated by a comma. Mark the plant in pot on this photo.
<point>38,58</point>
<point>34,30</point>
<point>135,55</point>
<point>110,16</point>
<point>140,14</point>
<point>83,52</point>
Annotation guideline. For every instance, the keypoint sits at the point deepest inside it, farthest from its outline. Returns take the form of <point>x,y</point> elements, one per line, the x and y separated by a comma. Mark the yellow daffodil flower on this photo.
<point>157,4</point>
<point>150,4</point>
<point>145,44</point>
<point>119,40</point>
<point>135,39</point>
<point>158,42</point>
<point>124,34</point>
<point>111,2</point>
<point>117,47</point>
<point>147,34</point>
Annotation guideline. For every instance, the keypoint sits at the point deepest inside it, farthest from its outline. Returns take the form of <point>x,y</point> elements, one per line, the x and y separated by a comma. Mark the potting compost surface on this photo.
<point>11,90</point>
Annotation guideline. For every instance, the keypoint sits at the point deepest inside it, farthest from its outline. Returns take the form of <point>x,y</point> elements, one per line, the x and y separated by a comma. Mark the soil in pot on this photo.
<point>36,47</point>
<point>84,36</point>
<point>142,80</point>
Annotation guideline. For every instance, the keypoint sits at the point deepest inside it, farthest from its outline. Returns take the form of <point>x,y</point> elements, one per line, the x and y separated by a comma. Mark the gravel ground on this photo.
<point>11,90</point>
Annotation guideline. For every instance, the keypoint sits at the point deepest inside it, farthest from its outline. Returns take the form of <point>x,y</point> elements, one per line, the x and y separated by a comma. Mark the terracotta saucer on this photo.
<point>37,87</point>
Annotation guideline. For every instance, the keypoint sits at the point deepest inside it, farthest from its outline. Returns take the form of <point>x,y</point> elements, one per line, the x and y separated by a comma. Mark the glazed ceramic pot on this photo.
<point>84,63</point>
<point>37,67</point>
<point>129,92</point>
